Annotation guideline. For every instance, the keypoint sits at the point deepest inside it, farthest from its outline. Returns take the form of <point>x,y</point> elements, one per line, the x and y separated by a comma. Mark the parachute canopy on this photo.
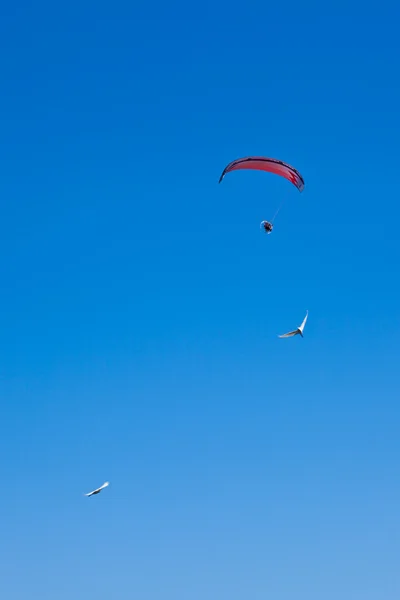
<point>270,165</point>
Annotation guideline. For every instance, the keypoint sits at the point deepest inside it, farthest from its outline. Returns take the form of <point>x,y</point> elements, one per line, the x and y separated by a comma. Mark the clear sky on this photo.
<point>140,303</point>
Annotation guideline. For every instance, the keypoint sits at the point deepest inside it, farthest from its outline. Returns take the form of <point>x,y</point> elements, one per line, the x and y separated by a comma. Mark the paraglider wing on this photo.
<point>270,165</point>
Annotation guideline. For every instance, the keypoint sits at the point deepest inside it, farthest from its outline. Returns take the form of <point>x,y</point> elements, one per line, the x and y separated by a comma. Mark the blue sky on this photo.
<point>140,302</point>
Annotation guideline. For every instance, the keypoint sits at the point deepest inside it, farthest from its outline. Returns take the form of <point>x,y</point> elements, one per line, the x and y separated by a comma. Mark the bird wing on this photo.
<point>98,490</point>
<point>290,334</point>
<point>303,323</point>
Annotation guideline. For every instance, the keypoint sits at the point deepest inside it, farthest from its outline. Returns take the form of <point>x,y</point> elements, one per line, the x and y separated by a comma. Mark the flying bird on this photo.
<point>298,331</point>
<point>106,484</point>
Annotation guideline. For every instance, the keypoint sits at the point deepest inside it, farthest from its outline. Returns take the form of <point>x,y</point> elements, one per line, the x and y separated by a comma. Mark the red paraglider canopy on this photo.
<point>270,165</point>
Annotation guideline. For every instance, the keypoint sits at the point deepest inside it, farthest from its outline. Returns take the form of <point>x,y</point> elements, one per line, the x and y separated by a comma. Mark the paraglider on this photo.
<point>269,165</point>
<point>298,331</point>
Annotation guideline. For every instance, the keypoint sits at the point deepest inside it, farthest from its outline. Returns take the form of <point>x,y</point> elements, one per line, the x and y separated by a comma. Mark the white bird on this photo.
<point>298,331</point>
<point>106,484</point>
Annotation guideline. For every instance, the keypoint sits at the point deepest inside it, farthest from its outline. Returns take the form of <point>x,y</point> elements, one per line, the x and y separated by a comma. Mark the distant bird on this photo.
<point>106,484</point>
<point>298,331</point>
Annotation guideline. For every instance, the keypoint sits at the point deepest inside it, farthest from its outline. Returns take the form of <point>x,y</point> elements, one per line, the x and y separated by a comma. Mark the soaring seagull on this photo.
<point>298,331</point>
<point>106,484</point>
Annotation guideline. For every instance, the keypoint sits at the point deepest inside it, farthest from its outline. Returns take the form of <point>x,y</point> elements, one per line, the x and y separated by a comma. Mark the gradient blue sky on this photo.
<point>140,303</point>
